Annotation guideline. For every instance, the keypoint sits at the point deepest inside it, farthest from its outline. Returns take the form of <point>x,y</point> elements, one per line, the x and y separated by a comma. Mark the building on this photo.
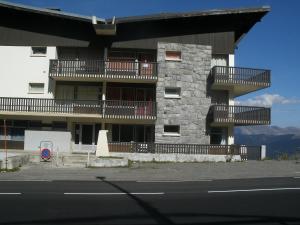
<point>164,78</point>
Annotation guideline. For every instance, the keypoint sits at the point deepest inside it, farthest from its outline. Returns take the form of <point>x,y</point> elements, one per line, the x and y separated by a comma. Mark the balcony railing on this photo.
<point>240,115</point>
<point>99,69</point>
<point>106,109</point>
<point>246,152</point>
<point>242,76</point>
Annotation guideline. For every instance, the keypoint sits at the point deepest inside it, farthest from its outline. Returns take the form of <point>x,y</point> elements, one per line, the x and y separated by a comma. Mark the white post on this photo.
<point>88,159</point>
<point>102,146</point>
<point>263,152</point>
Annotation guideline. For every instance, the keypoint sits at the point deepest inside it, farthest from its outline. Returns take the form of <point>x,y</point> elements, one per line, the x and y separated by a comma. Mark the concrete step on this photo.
<point>76,160</point>
<point>109,162</point>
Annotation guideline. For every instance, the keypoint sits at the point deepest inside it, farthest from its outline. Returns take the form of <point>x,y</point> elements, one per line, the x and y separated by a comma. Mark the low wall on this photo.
<point>148,157</point>
<point>14,161</point>
<point>61,140</point>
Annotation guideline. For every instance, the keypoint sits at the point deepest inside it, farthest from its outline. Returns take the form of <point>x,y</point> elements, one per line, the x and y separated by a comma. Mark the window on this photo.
<point>173,55</point>
<point>38,51</point>
<point>36,88</point>
<point>172,130</point>
<point>172,92</point>
<point>59,126</point>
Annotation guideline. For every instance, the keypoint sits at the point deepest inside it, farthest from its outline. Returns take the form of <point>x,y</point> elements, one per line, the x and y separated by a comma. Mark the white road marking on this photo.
<point>16,193</point>
<point>25,180</point>
<point>170,181</point>
<point>115,193</point>
<point>258,189</point>
<point>297,172</point>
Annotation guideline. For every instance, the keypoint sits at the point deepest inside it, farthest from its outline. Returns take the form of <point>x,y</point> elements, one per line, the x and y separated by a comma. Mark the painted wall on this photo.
<point>61,140</point>
<point>19,68</point>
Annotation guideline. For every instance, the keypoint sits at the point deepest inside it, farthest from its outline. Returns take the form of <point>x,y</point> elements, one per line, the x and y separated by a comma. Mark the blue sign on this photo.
<point>45,154</point>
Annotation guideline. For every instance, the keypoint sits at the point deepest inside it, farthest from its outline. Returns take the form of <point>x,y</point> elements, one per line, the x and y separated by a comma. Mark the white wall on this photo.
<point>61,140</point>
<point>19,68</point>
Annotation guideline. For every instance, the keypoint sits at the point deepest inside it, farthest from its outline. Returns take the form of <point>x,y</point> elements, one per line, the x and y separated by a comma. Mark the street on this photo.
<point>243,201</point>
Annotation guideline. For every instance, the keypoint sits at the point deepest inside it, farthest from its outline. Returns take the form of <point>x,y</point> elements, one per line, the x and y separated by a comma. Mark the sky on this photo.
<point>271,44</point>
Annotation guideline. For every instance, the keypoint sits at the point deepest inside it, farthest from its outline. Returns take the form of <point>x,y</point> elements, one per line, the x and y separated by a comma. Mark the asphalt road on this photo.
<point>246,201</point>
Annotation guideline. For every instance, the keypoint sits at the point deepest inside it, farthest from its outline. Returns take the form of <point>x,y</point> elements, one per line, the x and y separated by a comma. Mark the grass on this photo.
<point>9,170</point>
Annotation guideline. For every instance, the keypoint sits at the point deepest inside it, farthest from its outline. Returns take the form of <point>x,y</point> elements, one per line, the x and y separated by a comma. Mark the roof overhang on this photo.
<point>238,20</point>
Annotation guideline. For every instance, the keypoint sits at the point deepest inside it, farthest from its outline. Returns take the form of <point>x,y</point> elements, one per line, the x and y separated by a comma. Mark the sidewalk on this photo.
<point>160,171</point>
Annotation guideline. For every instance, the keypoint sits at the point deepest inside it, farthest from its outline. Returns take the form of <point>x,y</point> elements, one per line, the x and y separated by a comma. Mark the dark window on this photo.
<point>216,136</point>
<point>172,129</point>
<point>59,126</point>
<point>115,133</point>
<point>172,92</point>
<point>77,133</point>
<point>126,133</point>
<point>21,123</point>
<point>39,50</point>
<point>173,55</point>
<point>35,125</point>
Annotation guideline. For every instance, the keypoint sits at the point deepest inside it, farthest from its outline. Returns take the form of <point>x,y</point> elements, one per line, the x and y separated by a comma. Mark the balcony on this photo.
<point>99,70</point>
<point>239,115</point>
<point>137,110</point>
<point>240,80</point>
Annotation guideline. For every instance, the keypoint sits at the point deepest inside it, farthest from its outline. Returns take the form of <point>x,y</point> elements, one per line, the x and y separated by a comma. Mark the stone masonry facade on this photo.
<point>189,111</point>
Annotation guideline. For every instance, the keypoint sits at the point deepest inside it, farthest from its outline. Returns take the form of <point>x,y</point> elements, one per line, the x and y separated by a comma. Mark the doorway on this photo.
<point>86,136</point>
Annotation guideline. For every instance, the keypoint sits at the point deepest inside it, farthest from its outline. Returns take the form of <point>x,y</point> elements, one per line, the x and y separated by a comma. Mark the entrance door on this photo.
<point>86,136</point>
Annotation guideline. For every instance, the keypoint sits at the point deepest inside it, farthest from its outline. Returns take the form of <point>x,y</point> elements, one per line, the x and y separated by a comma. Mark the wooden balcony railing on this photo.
<point>246,152</point>
<point>238,75</point>
<point>106,109</point>
<point>118,69</point>
<point>240,115</point>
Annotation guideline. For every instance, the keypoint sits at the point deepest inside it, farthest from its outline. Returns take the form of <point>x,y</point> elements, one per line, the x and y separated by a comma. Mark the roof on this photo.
<point>50,12</point>
<point>239,20</point>
<point>214,12</point>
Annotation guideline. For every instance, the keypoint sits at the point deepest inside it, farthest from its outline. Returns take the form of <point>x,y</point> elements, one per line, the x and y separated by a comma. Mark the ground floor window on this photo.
<point>87,134</point>
<point>15,129</point>
<point>136,133</point>
<point>218,136</point>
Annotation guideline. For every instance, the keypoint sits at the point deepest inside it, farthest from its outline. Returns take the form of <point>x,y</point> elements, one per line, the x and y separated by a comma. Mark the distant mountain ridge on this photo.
<point>278,140</point>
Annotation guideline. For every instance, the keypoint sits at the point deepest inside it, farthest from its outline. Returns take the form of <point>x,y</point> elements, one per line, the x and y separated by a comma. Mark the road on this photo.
<point>244,201</point>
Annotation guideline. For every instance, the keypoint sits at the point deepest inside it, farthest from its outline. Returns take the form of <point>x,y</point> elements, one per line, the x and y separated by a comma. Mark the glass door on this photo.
<point>86,136</point>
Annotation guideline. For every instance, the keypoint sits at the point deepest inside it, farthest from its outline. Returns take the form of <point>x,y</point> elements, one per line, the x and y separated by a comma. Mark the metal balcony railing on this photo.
<point>240,115</point>
<point>118,69</point>
<point>106,109</point>
<point>239,75</point>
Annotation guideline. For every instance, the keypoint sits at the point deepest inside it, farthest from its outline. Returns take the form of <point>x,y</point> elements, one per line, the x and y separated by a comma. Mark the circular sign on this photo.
<point>45,154</point>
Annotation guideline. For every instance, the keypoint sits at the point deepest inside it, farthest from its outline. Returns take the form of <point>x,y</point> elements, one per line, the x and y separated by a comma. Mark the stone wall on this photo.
<point>190,110</point>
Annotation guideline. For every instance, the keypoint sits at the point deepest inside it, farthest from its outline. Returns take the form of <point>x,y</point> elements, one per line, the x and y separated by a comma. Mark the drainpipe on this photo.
<point>5,144</point>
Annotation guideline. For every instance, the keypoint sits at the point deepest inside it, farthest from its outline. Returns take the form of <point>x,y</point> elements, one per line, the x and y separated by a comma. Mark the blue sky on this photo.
<point>273,44</point>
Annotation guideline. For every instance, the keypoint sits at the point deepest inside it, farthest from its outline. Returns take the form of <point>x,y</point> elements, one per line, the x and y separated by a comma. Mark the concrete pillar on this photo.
<point>263,152</point>
<point>104,90</point>
<point>230,135</point>
<point>102,144</point>
<point>231,60</point>
<point>230,102</point>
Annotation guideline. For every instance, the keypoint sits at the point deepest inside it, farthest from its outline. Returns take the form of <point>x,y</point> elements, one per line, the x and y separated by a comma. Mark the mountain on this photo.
<point>279,140</point>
